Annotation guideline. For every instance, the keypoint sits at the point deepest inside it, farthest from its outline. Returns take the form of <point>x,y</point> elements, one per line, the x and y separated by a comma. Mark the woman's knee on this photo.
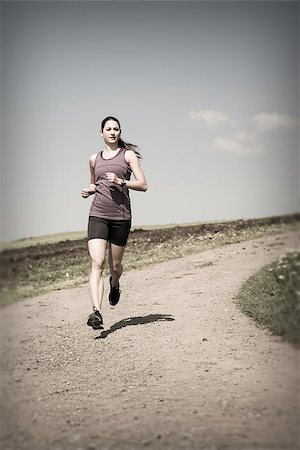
<point>116,266</point>
<point>98,264</point>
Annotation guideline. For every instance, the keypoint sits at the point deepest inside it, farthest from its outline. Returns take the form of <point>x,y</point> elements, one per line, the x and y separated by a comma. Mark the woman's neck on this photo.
<point>112,148</point>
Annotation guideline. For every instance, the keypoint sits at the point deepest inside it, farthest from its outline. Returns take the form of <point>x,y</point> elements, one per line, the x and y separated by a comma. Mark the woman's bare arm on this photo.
<point>86,192</point>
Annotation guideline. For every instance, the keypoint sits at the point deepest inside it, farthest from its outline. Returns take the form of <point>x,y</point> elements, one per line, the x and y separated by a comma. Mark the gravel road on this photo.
<point>178,366</point>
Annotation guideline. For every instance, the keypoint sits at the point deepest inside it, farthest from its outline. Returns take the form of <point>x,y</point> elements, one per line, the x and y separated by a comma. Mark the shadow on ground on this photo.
<point>139,320</point>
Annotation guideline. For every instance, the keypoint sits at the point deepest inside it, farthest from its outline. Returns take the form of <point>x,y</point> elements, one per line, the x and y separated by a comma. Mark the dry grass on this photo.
<point>29,270</point>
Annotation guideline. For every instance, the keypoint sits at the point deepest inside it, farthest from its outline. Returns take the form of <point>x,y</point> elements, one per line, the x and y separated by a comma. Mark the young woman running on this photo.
<point>110,212</point>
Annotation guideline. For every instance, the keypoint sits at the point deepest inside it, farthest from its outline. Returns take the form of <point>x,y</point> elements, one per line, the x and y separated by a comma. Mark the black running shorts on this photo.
<point>114,231</point>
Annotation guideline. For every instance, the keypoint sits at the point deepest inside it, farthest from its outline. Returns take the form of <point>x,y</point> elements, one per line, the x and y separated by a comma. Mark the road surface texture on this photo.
<point>177,366</point>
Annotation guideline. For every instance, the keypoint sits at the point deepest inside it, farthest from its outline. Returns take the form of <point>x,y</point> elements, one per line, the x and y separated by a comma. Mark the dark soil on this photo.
<point>13,260</point>
<point>43,267</point>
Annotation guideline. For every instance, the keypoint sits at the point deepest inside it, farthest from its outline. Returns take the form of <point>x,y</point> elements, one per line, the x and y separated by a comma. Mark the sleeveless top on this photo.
<point>111,201</point>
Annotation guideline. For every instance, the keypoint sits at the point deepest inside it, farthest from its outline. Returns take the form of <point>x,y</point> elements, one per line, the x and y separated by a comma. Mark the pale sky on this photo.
<point>208,90</point>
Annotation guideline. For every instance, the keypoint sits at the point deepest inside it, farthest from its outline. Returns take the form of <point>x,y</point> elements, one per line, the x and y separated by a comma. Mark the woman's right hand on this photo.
<point>86,192</point>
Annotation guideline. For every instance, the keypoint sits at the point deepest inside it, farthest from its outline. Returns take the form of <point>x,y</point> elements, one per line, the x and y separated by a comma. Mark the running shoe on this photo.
<point>114,295</point>
<point>95,320</point>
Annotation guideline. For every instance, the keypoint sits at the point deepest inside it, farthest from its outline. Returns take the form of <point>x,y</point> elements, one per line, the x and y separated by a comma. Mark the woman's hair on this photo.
<point>122,143</point>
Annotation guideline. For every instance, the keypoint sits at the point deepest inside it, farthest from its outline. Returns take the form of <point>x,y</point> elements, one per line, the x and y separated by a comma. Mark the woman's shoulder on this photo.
<point>93,158</point>
<point>129,155</point>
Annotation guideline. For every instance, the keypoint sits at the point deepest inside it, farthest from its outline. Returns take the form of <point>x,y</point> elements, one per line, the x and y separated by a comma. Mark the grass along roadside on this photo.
<point>272,297</point>
<point>76,235</point>
<point>33,270</point>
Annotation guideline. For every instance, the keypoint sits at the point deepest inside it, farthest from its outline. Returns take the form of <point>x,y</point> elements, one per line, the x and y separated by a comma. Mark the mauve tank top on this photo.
<point>111,201</point>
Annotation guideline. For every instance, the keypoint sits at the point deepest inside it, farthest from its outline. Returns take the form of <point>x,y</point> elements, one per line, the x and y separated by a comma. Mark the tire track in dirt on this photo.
<point>178,366</point>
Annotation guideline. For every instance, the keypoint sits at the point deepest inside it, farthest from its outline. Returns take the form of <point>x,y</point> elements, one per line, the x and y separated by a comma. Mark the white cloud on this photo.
<point>243,136</point>
<point>234,146</point>
<point>212,118</point>
<point>242,142</point>
<point>270,121</point>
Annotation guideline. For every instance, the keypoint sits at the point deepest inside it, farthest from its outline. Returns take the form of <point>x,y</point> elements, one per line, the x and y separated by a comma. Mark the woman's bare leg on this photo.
<point>97,249</point>
<point>116,253</point>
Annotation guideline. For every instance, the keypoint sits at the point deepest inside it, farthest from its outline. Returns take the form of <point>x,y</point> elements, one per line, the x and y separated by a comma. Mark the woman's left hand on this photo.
<point>112,177</point>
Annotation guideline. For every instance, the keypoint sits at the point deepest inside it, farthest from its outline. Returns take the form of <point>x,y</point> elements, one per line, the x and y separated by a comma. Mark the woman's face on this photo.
<point>111,132</point>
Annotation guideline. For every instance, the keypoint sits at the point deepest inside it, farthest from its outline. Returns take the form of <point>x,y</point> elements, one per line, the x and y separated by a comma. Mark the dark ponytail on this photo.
<point>122,144</point>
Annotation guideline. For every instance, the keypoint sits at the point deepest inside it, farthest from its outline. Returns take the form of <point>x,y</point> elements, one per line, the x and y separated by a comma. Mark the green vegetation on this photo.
<point>272,297</point>
<point>30,270</point>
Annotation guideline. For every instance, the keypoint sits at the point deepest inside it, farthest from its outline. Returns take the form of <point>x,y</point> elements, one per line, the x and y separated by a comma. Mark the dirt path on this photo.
<point>178,366</point>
